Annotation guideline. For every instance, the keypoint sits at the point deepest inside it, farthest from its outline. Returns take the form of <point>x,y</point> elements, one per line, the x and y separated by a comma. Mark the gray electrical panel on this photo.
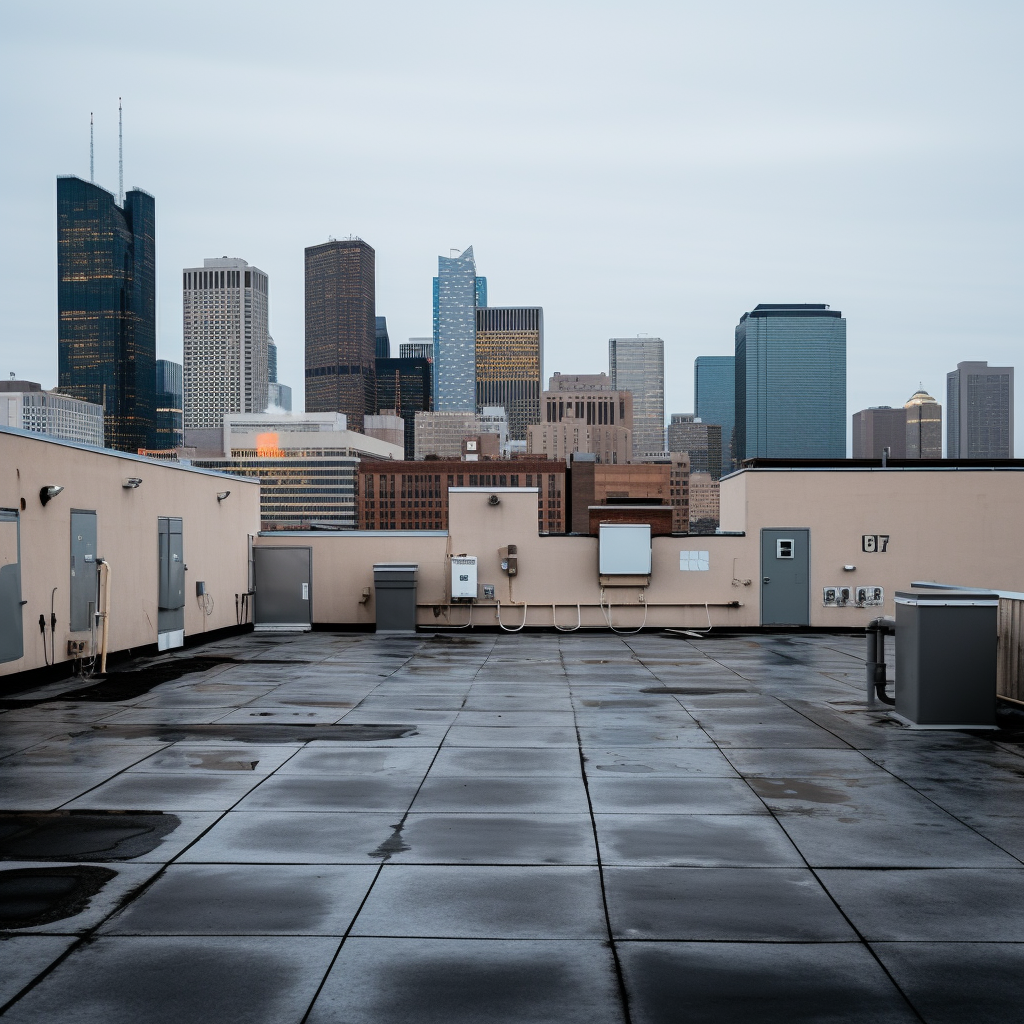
<point>12,642</point>
<point>83,569</point>
<point>171,601</point>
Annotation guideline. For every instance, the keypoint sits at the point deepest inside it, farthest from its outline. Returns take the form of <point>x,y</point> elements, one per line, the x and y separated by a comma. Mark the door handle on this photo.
<point>767,579</point>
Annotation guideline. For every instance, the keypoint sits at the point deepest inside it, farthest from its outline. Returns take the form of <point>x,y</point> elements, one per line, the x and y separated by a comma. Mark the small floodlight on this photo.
<point>48,492</point>
<point>221,495</point>
<point>494,500</point>
<point>131,482</point>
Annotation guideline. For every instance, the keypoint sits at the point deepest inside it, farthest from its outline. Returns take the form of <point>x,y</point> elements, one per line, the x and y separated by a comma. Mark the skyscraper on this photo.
<point>509,358</point>
<point>169,430</point>
<point>404,385</point>
<point>383,341</point>
<point>923,427</point>
<point>714,400</point>
<point>271,361</point>
<point>701,441</point>
<point>979,412</point>
<point>417,348</point>
<point>457,293</point>
<point>638,365</point>
<point>791,382</point>
<point>341,329</point>
<point>878,428</point>
<point>106,299</point>
<point>226,366</point>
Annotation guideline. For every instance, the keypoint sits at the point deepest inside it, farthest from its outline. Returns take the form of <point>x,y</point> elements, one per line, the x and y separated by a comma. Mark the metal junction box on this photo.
<point>464,578</point>
<point>946,658</point>
<point>625,549</point>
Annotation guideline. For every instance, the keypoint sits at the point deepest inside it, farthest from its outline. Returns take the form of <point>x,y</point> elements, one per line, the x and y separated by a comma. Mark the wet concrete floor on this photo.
<point>586,827</point>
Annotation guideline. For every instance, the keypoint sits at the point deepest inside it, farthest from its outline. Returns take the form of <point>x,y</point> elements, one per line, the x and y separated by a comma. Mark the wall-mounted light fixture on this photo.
<point>221,495</point>
<point>849,568</point>
<point>49,491</point>
<point>494,500</point>
<point>131,482</point>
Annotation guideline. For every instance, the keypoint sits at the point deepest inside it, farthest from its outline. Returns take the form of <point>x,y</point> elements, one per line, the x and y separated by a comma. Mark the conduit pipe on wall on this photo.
<point>607,612</point>
<point>513,629</point>
<point>105,614</point>
<point>566,629</point>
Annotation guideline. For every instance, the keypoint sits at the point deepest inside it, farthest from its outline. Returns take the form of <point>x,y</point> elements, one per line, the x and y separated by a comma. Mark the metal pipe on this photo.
<point>875,659</point>
<point>106,615</point>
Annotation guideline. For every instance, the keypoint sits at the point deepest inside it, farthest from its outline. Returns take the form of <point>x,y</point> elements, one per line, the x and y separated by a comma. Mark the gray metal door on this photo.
<point>83,569</point>
<point>12,635</point>
<point>284,588</point>
<point>785,591</point>
<point>171,596</point>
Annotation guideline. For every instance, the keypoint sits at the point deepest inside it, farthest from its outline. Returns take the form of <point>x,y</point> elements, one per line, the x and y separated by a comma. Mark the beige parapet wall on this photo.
<point>215,538</point>
<point>955,526</point>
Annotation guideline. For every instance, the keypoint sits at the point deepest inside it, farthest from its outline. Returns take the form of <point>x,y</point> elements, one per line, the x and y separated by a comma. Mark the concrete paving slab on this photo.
<point>947,905</point>
<point>501,795</point>
<point>483,736</point>
<point>391,793</point>
<point>172,791</point>
<point>672,762</point>
<point>188,759</point>
<point>167,980</point>
<point>24,957</point>
<point>695,840</point>
<point>451,981</point>
<point>722,904</point>
<point>46,790</point>
<point>218,899</point>
<point>771,983</point>
<point>320,759</point>
<point>484,902</point>
<point>798,764</point>
<point>641,794</point>
<point>540,762</point>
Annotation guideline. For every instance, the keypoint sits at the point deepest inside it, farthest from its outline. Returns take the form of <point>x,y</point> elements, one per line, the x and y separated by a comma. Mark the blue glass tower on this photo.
<point>106,299</point>
<point>714,399</point>
<point>791,382</point>
<point>457,293</point>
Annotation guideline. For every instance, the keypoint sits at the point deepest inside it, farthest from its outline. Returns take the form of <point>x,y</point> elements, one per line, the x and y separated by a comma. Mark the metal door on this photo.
<point>12,635</point>
<point>284,585</point>
<point>171,594</point>
<point>83,569</point>
<point>785,591</point>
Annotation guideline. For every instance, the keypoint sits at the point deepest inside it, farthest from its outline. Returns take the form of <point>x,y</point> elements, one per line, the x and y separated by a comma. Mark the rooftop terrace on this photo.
<point>346,827</point>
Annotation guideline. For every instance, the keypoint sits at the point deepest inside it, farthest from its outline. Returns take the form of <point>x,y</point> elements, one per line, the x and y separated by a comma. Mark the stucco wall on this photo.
<point>215,538</point>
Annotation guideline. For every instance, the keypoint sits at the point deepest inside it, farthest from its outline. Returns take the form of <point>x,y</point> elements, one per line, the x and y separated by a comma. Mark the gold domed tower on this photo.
<point>924,426</point>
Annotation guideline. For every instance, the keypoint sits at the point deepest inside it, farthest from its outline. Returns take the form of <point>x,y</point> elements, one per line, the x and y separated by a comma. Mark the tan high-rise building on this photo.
<point>588,418</point>
<point>509,358</point>
<point>924,427</point>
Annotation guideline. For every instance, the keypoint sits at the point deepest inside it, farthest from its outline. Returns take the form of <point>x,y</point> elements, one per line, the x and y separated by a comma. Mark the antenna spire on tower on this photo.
<point>92,161</point>
<point>120,153</point>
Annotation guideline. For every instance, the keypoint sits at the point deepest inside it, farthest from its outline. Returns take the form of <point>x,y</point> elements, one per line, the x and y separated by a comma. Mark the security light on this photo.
<point>131,482</point>
<point>49,491</point>
<point>221,495</point>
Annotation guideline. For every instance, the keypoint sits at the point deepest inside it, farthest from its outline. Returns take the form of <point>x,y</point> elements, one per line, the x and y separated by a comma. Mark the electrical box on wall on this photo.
<point>509,559</point>
<point>464,578</point>
<point>868,597</point>
<point>624,549</point>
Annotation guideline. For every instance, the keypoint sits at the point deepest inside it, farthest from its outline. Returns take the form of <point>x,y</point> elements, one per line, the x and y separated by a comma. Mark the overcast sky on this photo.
<point>632,167</point>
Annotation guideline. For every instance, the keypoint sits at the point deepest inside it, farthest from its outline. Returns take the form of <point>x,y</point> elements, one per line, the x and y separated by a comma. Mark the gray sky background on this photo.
<point>640,167</point>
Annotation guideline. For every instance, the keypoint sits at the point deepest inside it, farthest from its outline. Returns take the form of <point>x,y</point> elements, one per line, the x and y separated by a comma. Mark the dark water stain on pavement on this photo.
<point>30,897</point>
<point>76,836</point>
<point>392,845</point>
<point>257,732</point>
<point>797,789</point>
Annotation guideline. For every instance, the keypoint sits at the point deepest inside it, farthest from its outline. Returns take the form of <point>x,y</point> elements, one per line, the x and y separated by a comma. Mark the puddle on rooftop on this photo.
<point>30,897</point>
<point>630,769</point>
<point>77,835</point>
<point>797,789</point>
<point>696,691</point>
<point>258,732</point>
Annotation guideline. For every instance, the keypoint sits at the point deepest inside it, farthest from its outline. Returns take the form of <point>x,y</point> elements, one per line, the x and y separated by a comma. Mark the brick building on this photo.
<point>414,495</point>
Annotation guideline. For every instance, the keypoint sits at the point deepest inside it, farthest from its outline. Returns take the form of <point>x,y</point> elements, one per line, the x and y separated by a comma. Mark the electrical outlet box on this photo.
<point>869,597</point>
<point>844,595</point>
<point>830,597</point>
<point>76,648</point>
<point>487,591</point>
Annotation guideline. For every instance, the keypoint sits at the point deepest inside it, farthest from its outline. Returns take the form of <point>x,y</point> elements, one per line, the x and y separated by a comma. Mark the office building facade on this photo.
<point>383,341</point>
<point>25,405</point>
<point>638,365</point>
<point>923,428</point>
<point>106,300</point>
<point>341,329</point>
<point>791,382</point>
<point>169,430</point>
<point>417,348</point>
<point>581,414</point>
<point>457,294</point>
<point>414,495</point>
<point>440,434</point>
<point>714,400</point>
<point>979,411</point>
<point>226,343</point>
<point>877,428</point>
<point>271,360</point>
<point>404,384</point>
<point>704,503</point>
<point>509,361</point>
<point>686,434</point>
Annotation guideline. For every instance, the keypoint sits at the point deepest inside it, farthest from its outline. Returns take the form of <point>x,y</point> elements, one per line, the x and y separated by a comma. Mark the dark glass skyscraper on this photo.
<point>169,426</point>
<point>383,339</point>
<point>714,400</point>
<point>341,329</point>
<point>791,382</point>
<point>405,385</point>
<point>979,411</point>
<point>106,299</point>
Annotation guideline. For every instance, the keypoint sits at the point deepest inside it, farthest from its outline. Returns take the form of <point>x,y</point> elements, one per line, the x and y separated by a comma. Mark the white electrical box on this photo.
<point>625,549</point>
<point>464,578</point>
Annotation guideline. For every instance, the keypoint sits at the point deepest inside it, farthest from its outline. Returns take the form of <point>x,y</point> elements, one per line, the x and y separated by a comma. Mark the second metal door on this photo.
<point>785,590</point>
<point>284,584</point>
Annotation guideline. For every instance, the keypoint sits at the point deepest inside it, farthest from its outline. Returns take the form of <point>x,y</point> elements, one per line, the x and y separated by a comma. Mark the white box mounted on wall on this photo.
<point>625,549</point>
<point>464,578</point>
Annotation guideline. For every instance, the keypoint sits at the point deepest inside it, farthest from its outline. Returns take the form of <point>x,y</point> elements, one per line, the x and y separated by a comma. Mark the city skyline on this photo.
<point>894,198</point>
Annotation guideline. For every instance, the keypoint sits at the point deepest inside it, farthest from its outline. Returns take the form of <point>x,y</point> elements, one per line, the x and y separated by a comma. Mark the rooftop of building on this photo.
<point>19,385</point>
<point>860,465</point>
<point>587,827</point>
<point>791,309</point>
